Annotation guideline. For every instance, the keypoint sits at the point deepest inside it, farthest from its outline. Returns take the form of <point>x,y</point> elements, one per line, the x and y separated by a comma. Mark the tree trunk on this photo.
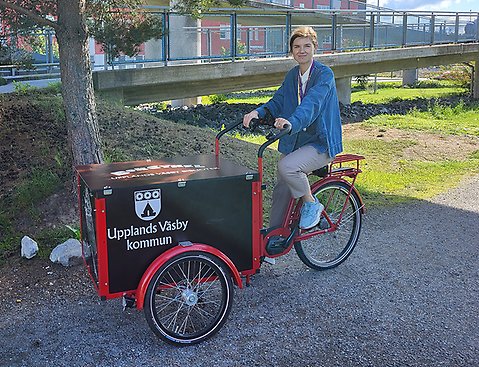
<point>77,83</point>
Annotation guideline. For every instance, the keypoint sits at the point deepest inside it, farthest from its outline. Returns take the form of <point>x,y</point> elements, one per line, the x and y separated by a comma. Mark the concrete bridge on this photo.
<point>381,40</point>
<point>134,86</point>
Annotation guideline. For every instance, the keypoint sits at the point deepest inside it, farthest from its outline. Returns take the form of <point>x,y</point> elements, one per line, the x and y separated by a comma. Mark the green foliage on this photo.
<point>5,224</point>
<point>197,7</point>
<point>459,74</point>
<point>9,240</point>
<point>387,95</point>
<point>362,81</point>
<point>252,100</point>
<point>122,31</point>
<point>111,155</point>
<point>122,27</point>
<point>23,88</point>
<point>53,104</point>
<point>50,238</point>
<point>240,49</point>
<point>390,176</point>
<point>35,40</point>
<point>435,83</point>
<point>19,21</point>
<point>39,185</point>
<point>455,120</point>
<point>217,98</point>
<point>75,231</point>
<point>53,88</point>
<point>26,195</point>
<point>8,246</point>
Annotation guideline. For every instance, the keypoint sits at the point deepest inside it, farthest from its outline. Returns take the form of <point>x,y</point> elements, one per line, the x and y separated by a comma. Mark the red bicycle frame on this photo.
<point>336,172</point>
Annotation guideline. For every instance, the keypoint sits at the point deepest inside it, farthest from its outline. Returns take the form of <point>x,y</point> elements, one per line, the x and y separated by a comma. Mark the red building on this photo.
<point>259,39</point>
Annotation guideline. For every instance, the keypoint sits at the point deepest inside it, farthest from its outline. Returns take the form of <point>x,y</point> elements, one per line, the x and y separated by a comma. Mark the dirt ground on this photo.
<point>427,146</point>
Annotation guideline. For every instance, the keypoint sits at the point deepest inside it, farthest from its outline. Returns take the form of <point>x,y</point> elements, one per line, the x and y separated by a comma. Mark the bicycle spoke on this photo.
<point>332,247</point>
<point>174,317</point>
<point>169,303</point>
<point>184,323</point>
<point>189,299</point>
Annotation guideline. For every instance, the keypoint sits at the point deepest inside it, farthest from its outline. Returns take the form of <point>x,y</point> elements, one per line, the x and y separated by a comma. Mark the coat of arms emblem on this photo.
<point>147,203</point>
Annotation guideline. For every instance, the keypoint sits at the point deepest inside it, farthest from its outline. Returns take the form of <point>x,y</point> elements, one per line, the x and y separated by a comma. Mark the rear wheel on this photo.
<point>330,249</point>
<point>189,298</point>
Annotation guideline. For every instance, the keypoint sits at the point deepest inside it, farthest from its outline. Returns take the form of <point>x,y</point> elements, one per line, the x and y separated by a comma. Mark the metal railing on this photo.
<point>233,34</point>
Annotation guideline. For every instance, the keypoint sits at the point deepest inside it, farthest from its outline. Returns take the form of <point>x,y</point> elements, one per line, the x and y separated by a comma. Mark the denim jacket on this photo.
<point>316,121</point>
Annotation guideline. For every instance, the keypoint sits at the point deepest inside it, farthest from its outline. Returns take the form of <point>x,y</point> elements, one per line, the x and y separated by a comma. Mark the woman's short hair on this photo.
<point>302,32</point>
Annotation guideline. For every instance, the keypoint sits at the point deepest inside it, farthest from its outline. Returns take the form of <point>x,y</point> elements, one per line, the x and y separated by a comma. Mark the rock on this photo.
<point>68,253</point>
<point>29,247</point>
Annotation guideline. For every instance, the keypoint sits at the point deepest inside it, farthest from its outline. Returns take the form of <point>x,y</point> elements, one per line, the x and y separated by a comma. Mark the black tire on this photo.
<point>328,250</point>
<point>189,298</point>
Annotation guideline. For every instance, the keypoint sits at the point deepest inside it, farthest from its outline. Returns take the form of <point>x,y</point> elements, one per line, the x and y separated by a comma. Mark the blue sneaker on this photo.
<point>310,214</point>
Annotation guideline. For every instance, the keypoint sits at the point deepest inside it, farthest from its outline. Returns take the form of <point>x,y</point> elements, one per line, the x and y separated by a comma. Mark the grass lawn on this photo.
<point>415,156</point>
<point>386,92</point>
<point>458,120</point>
<point>402,169</point>
<point>394,94</point>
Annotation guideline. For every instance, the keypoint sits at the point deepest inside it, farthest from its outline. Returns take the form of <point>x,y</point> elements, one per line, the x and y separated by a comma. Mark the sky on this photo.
<point>429,5</point>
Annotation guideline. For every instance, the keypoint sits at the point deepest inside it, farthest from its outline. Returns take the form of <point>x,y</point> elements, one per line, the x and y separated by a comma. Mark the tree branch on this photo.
<point>34,16</point>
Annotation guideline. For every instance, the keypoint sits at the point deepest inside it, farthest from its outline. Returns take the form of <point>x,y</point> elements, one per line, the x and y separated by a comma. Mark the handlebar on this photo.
<point>227,129</point>
<point>270,138</point>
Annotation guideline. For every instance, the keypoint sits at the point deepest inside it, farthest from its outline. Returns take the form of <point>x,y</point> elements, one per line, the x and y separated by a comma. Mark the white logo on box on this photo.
<point>147,203</point>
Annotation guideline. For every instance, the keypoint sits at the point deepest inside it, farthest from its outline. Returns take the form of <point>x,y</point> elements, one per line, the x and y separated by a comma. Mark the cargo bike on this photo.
<point>173,236</point>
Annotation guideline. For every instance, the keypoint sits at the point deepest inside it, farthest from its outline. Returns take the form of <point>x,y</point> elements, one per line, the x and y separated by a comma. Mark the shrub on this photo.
<point>459,74</point>
<point>23,88</point>
<point>217,98</point>
<point>362,81</point>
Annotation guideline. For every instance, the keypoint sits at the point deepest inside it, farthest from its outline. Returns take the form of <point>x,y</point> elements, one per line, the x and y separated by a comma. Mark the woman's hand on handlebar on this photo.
<point>281,123</point>
<point>248,117</point>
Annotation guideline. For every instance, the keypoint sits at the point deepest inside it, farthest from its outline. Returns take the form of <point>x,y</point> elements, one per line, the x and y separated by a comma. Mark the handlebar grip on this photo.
<point>272,138</point>
<point>254,123</point>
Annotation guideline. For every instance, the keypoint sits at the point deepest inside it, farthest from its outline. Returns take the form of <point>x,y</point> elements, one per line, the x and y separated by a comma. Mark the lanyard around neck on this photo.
<point>300,84</point>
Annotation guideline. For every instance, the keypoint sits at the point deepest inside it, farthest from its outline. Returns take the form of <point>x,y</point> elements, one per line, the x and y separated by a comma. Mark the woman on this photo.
<point>306,100</point>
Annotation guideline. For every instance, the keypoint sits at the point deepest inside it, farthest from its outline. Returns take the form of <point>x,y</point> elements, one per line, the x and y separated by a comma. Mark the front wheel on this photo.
<point>330,249</point>
<point>189,298</point>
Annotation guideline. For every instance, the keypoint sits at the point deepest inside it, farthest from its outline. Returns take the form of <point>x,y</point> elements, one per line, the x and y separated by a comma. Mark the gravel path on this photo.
<point>407,296</point>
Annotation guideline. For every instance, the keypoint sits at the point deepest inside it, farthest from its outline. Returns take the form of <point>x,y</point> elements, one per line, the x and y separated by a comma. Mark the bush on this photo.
<point>362,81</point>
<point>217,98</point>
<point>23,88</point>
<point>459,74</point>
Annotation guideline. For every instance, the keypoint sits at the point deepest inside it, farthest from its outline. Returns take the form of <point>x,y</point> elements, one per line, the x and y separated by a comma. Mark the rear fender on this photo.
<point>175,251</point>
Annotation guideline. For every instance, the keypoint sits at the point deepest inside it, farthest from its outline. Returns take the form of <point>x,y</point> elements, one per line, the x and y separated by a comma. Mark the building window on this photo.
<point>225,32</point>
<point>254,34</point>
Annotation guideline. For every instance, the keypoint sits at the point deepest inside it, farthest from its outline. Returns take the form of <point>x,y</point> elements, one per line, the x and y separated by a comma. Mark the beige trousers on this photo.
<point>292,179</point>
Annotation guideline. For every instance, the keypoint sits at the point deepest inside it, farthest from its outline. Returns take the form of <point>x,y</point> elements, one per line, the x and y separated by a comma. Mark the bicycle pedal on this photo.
<point>269,260</point>
<point>276,245</point>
